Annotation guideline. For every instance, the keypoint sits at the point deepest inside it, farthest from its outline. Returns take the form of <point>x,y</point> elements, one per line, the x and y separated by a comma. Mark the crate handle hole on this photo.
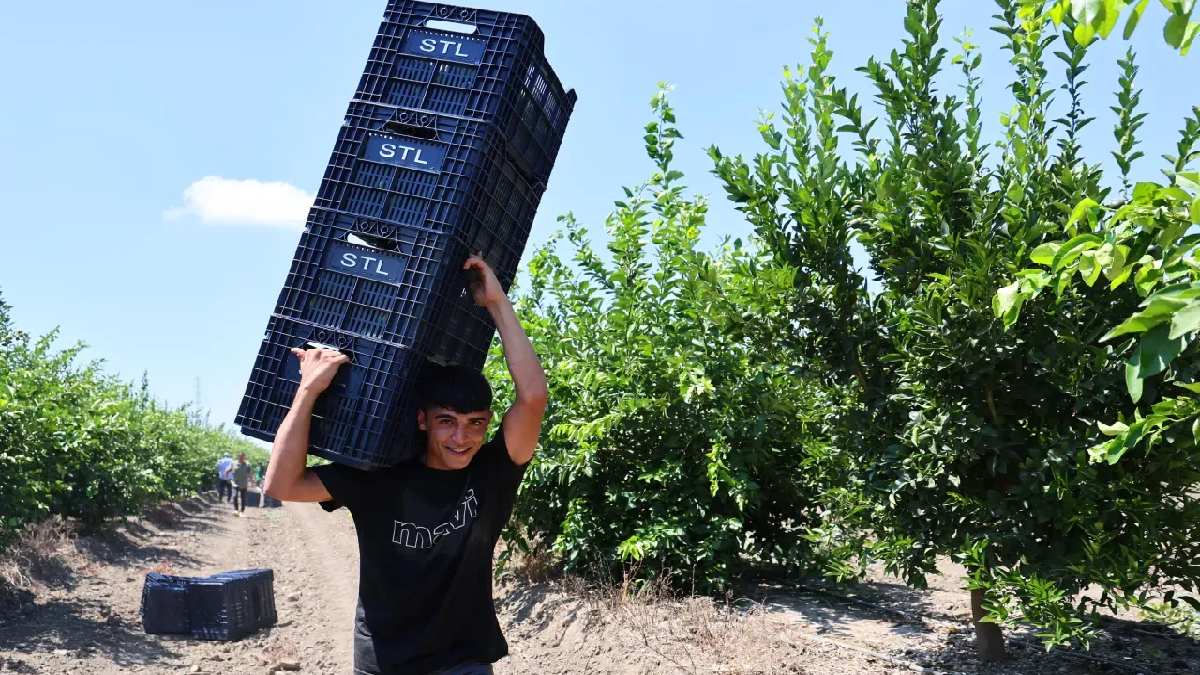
<point>346,349</point>
<point>411,125</point>
<point>451,26</point>
<point>377,243</point>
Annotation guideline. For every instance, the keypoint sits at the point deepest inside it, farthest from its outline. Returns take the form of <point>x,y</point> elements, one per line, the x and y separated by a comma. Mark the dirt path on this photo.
<point>84,616</point>
<point>86,619</point>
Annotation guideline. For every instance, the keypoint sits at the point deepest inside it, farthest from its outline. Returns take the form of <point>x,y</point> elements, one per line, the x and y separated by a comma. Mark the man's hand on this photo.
<point>287,478</point>
<point>318,367</point>
<point>485,287</point>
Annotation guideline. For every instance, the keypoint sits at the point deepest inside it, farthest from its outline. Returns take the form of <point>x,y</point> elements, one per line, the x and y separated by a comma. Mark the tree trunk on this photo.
<point>989,640</point>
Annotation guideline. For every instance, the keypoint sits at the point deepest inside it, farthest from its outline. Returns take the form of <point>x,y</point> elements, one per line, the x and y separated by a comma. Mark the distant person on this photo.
<point>427,531</point>
<point>241,483</point>
<point>225,477</point>
<point>261,473</point>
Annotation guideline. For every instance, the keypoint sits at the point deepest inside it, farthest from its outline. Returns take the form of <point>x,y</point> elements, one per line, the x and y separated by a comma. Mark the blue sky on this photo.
<point>112,110</point>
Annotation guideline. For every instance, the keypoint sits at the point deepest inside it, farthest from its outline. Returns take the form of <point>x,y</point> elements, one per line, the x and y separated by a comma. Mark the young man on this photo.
<point>427,531</point>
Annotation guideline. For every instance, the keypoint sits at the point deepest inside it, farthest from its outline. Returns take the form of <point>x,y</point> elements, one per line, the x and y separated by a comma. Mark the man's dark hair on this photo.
<point>458,388</point>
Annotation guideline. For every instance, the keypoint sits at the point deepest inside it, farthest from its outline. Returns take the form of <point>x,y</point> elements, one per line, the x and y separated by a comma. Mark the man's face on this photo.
<point>452,438</point>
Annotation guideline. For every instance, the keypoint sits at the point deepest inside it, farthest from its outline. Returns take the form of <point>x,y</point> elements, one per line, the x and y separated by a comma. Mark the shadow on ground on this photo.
<point>51,620</point>
<point>82,629</point>
<point>944,641</point>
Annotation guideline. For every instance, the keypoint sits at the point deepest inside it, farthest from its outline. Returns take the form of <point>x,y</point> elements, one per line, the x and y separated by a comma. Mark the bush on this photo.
<point>675,434</point>
<point>969,418</point>
<point>78,443</point>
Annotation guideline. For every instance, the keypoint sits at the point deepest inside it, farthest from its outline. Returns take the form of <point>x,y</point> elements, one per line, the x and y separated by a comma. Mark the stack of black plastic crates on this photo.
<point>225,606</point>
<point>445,151</point>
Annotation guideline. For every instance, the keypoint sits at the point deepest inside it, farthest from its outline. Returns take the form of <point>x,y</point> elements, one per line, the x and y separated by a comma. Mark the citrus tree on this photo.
<point>1147,240</point>
<point>676,428</point>
<point>961,432</point>
<point>79,443</point>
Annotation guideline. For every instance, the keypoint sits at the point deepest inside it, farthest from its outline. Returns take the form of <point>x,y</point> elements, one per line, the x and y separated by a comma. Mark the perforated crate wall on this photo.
<point>445,150</point>
<point>391,283</point>
<point>430,171</point>
<point>365,419</point>
<point>497,73</point>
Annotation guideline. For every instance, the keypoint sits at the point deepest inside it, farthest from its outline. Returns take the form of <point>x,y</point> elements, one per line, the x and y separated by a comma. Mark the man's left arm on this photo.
<point>522,423</point>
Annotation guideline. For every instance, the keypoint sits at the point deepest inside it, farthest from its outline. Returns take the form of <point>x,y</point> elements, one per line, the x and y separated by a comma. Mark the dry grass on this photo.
<point>693,633</point>
<point>35,555</point>
<point>647,621</point>
<point>538,565</point>
<point>681,633</point>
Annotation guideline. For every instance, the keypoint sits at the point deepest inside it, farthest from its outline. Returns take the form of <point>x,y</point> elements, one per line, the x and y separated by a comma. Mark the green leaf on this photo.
<point>1084,33</point>
<point>1185,320</point>
<point>1116,269</point>
<point>1146,279</point>
<point>1087,11</point>
<point>1133,378</point>
<point>1193,387</point>
<point>1073,248</point>
<point>1112,12</point>
<point>1158,310</point>
<point>1044,254</point>
<point>1081,210</point>
<point>1114,429</point>
<point>1189,34</point>
<point>1134,17</point>
<point>1188,180</point>
<point>1157,350</point>
<point>1145,191</point>
<point>1089,269</point>
<point>1174,29</point>
<point>1005,301</point>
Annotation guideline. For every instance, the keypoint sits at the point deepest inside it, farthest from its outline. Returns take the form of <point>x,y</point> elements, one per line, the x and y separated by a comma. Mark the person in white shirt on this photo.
<point>225,478</point>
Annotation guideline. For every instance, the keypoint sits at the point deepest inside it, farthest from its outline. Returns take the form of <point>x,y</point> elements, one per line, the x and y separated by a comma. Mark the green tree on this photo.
<point>964,433</point>
<point>675,430</point>
<point>77,442</point>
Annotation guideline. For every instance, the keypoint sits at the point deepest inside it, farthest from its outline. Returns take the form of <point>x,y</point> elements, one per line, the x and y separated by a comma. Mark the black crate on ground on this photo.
<point>262,593</point>
<point>225,606</point>
<point>165,604</point>
<point>496,72</point>
<point>392,283</point>
<point>367,417</point>
<point>221,608</point>
<point>257,499</point>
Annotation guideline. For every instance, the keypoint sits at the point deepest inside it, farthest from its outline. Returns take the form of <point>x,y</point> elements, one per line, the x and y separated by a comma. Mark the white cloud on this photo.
<point>231,201</point>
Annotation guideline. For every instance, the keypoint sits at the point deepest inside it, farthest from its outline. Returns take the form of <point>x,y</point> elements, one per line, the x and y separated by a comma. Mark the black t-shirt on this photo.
<point>425,542</point>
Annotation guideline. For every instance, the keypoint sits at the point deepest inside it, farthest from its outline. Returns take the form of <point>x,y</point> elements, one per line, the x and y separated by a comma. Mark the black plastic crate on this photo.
<point>220,608</point>
<point>432,171</point>
<point>445,151</point>
<point>225,606</point>
<point>261,500</point>
<point>392,283</point>
<point>262,593</point>
<point>497,73</point>
<point>365,419</point>
<point>165,604</point>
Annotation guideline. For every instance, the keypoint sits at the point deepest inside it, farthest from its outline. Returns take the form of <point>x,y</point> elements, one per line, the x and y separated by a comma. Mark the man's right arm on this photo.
<point>288,479</point>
